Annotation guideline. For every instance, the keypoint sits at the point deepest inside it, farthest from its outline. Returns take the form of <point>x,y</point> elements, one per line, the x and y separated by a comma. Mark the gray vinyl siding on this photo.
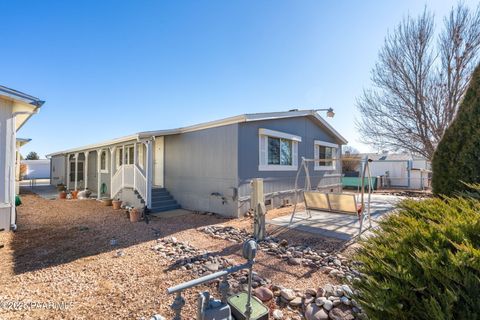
<point>201,163</point>
<point>282,182</point>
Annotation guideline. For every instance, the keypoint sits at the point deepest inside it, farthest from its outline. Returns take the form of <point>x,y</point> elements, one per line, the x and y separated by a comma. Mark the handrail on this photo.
<point>129,175</point>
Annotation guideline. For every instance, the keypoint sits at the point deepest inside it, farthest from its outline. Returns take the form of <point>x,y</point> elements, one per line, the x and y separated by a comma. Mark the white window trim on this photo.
<point>317,167</point>
<point>263,135</point>
<point>106,161</point>
<point>278,134</point>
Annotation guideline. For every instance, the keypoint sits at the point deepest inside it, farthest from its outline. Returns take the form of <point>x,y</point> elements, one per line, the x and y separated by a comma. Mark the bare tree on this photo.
<point>418,83</point>
<point>350,159</point>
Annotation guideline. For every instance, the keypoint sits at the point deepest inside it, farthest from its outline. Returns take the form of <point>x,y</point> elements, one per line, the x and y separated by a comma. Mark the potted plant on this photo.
<point>106,202</point>
<point>135,215</point>
<point>117,204</point>
<point>74,194</point>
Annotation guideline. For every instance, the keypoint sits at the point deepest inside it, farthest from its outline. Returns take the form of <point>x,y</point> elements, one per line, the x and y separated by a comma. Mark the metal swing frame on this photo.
<point>363,212</point>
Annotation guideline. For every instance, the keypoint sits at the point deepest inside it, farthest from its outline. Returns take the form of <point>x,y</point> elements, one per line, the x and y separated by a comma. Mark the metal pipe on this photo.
<point>208,278</point>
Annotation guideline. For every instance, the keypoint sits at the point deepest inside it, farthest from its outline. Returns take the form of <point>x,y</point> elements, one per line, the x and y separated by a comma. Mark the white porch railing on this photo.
<point>129,176</point>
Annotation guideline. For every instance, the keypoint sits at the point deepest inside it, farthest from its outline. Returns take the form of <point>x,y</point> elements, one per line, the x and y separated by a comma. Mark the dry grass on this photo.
<point>62,253</point>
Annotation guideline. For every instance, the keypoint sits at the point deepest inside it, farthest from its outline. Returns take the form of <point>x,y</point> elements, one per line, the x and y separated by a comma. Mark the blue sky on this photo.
<point>111,68</point>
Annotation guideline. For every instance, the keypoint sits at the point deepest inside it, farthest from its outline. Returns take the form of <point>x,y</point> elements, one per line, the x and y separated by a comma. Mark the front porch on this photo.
<point>117,171</point>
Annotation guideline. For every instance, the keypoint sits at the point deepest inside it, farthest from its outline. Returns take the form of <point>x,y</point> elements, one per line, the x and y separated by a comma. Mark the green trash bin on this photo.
<point>18,201</point>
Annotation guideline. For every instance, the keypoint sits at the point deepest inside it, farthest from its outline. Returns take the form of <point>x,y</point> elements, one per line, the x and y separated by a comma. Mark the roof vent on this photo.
<point>292,110</point>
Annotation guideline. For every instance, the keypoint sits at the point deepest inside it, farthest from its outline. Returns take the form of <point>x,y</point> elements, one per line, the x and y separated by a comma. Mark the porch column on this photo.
<point>135,163</point>
<point>149,171</point>
<point>123,163</point>
<point>76,171</point>
<point>112,165</point>
<point>99,172</point>
<point>85,171</point>
<point>68,171</point>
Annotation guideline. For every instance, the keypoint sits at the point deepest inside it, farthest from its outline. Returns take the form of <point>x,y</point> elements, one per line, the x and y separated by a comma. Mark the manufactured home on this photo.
<point>15,109</point>
<point>208,166</point>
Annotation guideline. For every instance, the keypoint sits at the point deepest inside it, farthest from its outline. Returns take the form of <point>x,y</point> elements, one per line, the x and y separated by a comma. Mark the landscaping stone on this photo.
<point>296,302</point>
<point>287,294</point>
<point>277,314</point>
<point>313,312</point>
<point>294,261</point>
<point>338,314</point>
<point>264,294</point>
<point>327,305</point>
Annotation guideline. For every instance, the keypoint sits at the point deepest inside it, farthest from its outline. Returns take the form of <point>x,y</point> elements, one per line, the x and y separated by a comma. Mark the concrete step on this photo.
<point>165,208</point>
<point>163,203</point>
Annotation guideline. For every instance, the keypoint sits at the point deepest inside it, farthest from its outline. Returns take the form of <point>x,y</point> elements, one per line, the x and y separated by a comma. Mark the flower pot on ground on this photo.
<point>74,194</point>
<point>106,202</point>
<point>135,215</point>
<point>117,204</point>
<point>62,195</point>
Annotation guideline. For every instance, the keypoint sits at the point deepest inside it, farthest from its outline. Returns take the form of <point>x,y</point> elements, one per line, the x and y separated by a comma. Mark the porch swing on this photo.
<point>343,203</point>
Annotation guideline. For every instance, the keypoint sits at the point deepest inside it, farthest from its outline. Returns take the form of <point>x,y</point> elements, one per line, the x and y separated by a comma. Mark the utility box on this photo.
<point>238,304</point>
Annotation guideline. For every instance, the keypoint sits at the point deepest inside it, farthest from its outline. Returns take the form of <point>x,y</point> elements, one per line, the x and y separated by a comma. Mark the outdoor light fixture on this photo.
<point>330,113</point>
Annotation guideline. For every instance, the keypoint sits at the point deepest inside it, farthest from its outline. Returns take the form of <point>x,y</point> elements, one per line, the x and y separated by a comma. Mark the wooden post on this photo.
<point>258,205</point>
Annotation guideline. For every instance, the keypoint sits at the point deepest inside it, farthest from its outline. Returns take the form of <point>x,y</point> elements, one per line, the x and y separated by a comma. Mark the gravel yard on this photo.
<point>62,256</point>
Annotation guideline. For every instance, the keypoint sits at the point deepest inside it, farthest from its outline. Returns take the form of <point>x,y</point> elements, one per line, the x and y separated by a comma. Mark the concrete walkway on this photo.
<point>337,225</point>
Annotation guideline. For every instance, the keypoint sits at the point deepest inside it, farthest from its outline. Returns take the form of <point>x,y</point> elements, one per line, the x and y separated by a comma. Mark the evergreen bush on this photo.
<point>457,157</point>
<point>423,262</point>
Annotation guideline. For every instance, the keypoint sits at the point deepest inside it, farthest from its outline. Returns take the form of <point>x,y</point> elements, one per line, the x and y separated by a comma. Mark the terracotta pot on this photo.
<point>74,194</point>
<point>62,195</point>
<point>134,215</point>
<point>117,204</point>
<point>106,202</point>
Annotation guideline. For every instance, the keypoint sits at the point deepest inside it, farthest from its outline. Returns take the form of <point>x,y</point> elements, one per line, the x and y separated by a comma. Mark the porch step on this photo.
<point>162,201</point>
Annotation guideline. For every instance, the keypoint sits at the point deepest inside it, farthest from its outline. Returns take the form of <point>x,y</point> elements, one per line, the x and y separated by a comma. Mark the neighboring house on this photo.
<point>401,170</point>
<point>37,169</point>
<point>15,109</point>
<point>206,167</point>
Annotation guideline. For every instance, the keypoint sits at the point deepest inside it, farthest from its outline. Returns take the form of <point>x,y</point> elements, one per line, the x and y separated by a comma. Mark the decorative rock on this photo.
<point>345,301</point>
<point>264,294</point>
<point>328,289</point>
<point>311,292</point>
<point>313,312</point>
<point>320,292</point>
<point>347,291</point>
<point>212,266</point>
<point>320,301</point>
<point>277,314</point>
<point>327,305</point>
<point>294,261</point>
<point>284,242</point>
<point>338,314</point>
<point>296,302</point>
<point>287,294</point>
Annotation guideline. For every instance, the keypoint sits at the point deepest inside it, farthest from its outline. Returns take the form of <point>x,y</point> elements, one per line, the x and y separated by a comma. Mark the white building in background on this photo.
<point>37,169</point>
<point>15,110</point>
<point>400,170</point>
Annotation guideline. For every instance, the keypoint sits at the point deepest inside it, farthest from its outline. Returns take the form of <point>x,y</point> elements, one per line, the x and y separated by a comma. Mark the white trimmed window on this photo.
<point>278,151</point>
<point>326,152</point>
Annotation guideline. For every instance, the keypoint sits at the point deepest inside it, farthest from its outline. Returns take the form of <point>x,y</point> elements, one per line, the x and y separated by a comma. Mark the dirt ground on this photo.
<point>60,264</point>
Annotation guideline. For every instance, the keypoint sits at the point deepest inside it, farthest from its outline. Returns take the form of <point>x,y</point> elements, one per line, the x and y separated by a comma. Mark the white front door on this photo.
<point>158,162</point>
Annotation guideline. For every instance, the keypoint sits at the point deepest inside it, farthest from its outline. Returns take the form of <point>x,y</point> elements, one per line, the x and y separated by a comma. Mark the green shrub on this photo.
<point>457,155</point>
<point>423,262</point>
